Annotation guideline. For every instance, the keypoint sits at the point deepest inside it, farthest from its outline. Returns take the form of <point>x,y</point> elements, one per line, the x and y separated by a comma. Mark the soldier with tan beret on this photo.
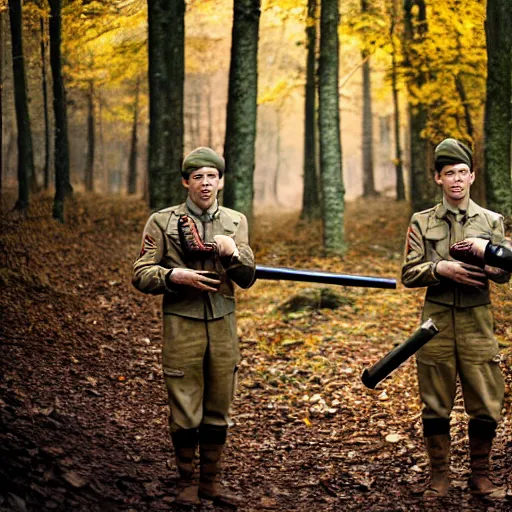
<point>457,299</point>
<point>200,347</point>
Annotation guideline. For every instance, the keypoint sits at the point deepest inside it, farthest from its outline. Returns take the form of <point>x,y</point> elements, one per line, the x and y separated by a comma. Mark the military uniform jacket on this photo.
<point>161,252</point>
<point>430,234</point>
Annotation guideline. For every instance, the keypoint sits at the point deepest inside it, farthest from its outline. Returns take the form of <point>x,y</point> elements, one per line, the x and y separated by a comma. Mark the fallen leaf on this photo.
<point>74,479</point>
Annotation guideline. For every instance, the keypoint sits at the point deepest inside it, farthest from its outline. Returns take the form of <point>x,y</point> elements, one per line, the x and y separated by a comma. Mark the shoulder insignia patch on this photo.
<point>148,244</point>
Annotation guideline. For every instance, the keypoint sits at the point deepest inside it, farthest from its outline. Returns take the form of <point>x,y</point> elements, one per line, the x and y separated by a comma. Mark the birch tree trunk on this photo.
<point>329,126</point>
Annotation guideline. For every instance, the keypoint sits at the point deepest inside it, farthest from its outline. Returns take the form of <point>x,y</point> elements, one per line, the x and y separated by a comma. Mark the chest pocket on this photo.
<point>225,226</point>
<point>437,242</point>
<point>478,232</point>
<point>478,226</point>
<point>172,230</point>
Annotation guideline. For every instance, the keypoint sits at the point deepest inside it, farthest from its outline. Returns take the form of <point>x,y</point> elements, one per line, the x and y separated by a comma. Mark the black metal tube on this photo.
<point>313,276</point>
<point>394,358</point>
<point>498,256</point>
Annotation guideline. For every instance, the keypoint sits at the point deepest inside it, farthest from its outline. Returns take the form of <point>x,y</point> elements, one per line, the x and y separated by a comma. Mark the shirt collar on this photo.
<point>444,207</point>
<point>450,208</point>
<point>198,212</point>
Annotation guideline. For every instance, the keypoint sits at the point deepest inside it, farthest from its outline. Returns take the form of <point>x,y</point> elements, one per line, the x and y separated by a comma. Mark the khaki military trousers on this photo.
<point>465,346</point>
<point>200,362</point>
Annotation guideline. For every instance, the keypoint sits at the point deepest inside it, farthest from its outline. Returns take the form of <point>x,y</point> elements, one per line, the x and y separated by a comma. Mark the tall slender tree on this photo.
<point>498,112</point>
<point>25,154</point>
<point>91,139</point>
<point>329,126</point>
<point>166,46</point>
<point>368,175</point>
<point>400,185</point>
<point>132,162</point>
<point>101,142</point>
<point>2,49</point>
<point>61,146</point>
<point>46,170</point>
<point>310,197</point>
<point>239,146</point>
<point>422,185</point>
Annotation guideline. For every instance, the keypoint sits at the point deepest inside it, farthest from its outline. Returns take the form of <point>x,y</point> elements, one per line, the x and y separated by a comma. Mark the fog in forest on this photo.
<point>279,145</point>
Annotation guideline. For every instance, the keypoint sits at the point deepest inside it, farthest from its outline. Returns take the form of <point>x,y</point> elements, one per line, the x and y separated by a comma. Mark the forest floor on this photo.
<point>83,407</point>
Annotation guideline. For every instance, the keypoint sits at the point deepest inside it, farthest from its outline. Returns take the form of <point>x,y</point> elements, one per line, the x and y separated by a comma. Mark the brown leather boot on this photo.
<point>185,444</point>
<point>479,483</point>
<point>438,449</point>
<point>211,444</point>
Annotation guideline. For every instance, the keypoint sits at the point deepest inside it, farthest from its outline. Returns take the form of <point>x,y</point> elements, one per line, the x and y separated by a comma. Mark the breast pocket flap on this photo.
<point>437,233</point>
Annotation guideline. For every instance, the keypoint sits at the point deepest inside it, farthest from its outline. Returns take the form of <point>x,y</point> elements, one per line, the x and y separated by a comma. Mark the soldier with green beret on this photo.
<point>457,299</point>
<point>200,347</point>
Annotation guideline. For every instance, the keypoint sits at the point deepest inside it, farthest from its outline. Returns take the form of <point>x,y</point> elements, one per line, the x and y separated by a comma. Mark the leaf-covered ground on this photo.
<point>83,411</point>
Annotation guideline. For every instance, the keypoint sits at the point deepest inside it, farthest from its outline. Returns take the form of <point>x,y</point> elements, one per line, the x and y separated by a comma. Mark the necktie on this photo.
<point>457,225</point>
<point>206,219</point>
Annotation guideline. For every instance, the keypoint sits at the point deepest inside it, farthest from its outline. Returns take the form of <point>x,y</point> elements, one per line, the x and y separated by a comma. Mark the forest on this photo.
<point>327,113</point>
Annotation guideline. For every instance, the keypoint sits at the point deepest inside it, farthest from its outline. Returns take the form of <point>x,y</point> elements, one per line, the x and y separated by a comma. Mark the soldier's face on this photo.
<point>203,185</point>
<point>455,181</point>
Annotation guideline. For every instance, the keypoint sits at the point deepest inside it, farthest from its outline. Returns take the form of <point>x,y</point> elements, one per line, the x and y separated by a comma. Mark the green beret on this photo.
<point>451,152</point>
<point>202,157</point>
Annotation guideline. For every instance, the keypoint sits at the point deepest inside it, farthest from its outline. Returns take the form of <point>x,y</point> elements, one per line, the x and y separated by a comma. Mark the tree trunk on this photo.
<point>400,184</point>
<point>329,126</point>
<point>498,113</point>
<point>277,169</point>
<point>145,187</point>
<point>89,165</point>
<point>132,163</point>
<point>166,43</point>
<point>46,170</point>
<point>239,147</point>
<point>104,170</point>
<point>461,91</point>
<point>197,119</point>
<point>61,148</point>
<point>2,52</point>
<point>368,177</point>
<point>422,185</point>
<point>209,112</point>
<point>25,155</point>
<point>310,197</point>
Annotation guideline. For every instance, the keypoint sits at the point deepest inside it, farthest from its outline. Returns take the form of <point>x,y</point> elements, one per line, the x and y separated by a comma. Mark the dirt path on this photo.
<point>83,414</point>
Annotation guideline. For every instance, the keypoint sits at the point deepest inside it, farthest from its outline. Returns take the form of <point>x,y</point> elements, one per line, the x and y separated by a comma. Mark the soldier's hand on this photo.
<point>196,278</point>
<point>478,246</point>
<point>462,273</point>
<point>225,244</point>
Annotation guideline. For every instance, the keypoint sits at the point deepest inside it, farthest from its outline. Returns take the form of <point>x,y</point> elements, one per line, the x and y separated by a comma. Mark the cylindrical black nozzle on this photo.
<point>394,358</point>
<point>314,276</point>
<point>498,256</point>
